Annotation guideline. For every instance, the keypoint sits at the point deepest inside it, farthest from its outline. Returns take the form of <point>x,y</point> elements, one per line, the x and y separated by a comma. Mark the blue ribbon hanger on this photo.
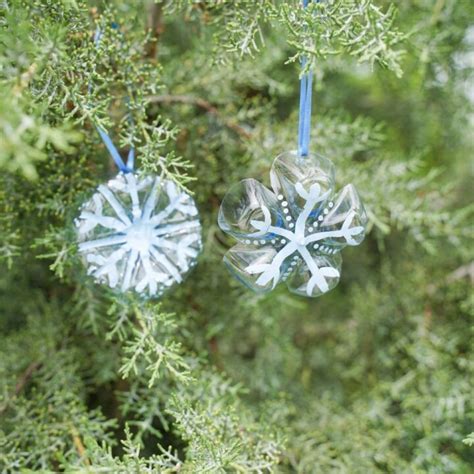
<point>304,125</point>
<point>114,153</point>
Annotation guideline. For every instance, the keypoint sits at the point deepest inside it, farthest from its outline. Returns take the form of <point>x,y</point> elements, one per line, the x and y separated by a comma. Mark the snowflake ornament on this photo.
<point>294,234</point>
<point>139,233</point>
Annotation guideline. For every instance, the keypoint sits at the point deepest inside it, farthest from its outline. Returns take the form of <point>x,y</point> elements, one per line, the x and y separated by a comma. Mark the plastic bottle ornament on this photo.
<point>295,233</point>
<point>139,233</point>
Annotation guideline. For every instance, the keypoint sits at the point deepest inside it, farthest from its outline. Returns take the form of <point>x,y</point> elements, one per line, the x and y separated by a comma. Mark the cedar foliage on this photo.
<point>373,377</point>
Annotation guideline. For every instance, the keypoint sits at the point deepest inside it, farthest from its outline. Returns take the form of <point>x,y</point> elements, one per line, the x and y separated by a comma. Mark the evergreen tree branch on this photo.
<point>203,104</point>
<point>374,377</point>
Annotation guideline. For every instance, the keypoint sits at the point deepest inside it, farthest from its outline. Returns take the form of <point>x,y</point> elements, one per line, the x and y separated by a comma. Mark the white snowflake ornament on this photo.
<point>139,233</point>
<point>295,233</point>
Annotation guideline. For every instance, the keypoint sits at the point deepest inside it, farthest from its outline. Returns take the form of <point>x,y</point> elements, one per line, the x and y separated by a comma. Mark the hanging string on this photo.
<point>304,125</point>
<point>114,153</point>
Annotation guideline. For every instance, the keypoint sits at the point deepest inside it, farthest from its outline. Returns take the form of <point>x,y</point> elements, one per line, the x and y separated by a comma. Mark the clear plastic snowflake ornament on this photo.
<point>139,233</point>
<point>295,233</point>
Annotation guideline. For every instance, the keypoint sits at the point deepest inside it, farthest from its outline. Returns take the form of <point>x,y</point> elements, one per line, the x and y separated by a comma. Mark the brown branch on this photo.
<point>76,439</point>
<point>438,8</point>
<point>23,379</point>
<point>465,271</point>
<point>26,376</point>
<point>202,104</point>
<point>155,26</point>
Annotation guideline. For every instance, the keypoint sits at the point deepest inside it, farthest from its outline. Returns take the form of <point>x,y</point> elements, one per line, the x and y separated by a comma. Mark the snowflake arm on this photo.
<point>151,277</point>
<point>105,221</point>
<point>346,232</point>
<point>105,242</point>
<point>265,227</point>
<point>312,198</point>
<point>317,274</point>
<point>161,258</point>
<point>133,192</point>
<point>131,262</point>
<point>262,226</point>
<point>271,271</point>
<point>119,210</point>
<point>175,228</point>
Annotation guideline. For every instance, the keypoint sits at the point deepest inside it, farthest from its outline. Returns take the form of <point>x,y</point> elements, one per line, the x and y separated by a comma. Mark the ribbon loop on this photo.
<point>304,125</point>
<point>114,153</point>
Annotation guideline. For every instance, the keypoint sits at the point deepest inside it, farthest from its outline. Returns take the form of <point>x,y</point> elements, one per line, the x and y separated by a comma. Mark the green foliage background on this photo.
<point>375,376</point>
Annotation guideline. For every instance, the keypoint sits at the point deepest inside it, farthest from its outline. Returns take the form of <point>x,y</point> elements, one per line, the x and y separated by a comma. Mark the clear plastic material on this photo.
<point>295,233</point>
<point>139,233</point>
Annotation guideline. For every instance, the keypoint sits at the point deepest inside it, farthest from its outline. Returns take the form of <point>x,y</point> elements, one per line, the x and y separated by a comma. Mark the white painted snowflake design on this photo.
<point>295,233</point>
<point>139,233</point>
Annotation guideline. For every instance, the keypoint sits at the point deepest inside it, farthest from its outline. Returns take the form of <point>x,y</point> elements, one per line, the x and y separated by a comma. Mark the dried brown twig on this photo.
<point>23,379</point>
<point>202,104</point>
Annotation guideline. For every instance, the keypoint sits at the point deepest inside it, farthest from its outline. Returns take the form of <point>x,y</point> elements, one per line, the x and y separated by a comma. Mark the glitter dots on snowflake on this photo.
<point>302,224</point>
<point>139,233</point>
